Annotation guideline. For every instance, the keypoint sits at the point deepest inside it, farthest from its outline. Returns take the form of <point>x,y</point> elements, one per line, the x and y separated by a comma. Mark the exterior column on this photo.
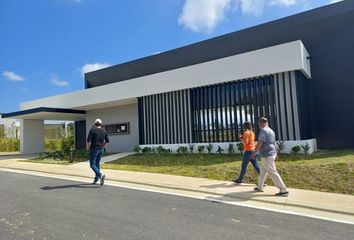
<point>32,136</point>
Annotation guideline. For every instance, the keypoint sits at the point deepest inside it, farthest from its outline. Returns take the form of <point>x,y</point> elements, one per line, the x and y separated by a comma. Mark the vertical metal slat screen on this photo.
<point>216,113</point>
<point>165,118</point>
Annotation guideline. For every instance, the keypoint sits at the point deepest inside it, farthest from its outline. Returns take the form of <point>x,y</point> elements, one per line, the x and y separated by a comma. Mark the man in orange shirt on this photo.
<point>248,147</point>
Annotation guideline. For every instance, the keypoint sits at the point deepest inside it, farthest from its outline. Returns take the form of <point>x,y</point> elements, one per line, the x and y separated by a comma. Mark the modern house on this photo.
<point>297,71</point>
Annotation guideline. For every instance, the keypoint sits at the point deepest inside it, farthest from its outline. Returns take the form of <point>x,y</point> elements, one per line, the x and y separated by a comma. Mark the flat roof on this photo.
<point>46,113</point>
<point>328,21</point>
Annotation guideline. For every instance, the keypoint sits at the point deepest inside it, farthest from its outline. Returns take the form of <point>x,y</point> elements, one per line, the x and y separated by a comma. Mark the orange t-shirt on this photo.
<point>248,141</point>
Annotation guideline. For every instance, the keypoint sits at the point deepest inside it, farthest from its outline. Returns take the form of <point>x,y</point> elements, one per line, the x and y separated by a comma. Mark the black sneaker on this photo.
<point>95,181</point>
<point>282,194</point>
<point>102,180</point>
<point>237,181</point>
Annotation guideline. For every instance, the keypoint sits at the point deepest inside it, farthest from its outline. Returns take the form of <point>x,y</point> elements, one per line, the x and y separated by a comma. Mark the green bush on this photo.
<point>9,145</point>
<point>146,150</point>
<point>295,150</point>
<point>201,148</point>
<point>182,149</point>
<point>57,144</point>
<point>161,150</point>
<point>137,149</point>
<point>65,155</point>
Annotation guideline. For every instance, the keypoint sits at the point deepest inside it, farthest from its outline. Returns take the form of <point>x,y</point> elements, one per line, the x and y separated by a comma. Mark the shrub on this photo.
<point>146,150</point>
<point>201,148</point>
<point>67,143</point>
<point>209,148</point>
<point>220,150</point>
<point>137,149</point>
<point>295,150</point>
<point>281,146</point>
<point>81,153</point>
<point>161,150</point>
<point>9,145</point>
<point>306,148</point>
<point>231,149</point>
<point>182,149</point>
<point>57,144</point>
<point>191,148</point>
<point>153,150</point>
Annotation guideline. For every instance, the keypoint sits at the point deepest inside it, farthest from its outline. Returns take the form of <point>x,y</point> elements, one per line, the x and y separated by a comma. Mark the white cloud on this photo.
<point>60,83</point>
<point>251,7</point>
<point>11,76</point>
<point>334,1</point>
<point>93,67</point>
<point>203,15</point>
<point>283,2</point>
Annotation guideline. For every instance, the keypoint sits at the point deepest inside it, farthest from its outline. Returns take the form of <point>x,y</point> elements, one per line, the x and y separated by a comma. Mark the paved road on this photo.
<point>34,207</point>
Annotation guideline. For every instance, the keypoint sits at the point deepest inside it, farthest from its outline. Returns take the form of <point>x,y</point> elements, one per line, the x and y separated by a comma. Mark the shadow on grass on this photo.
<point>82,185</point>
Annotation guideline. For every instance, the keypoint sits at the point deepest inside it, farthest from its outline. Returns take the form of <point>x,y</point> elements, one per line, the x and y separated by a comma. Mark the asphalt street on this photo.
<point>33,207</point>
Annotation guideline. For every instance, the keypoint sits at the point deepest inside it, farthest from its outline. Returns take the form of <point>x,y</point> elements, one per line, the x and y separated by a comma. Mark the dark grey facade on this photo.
<point>328,35</point>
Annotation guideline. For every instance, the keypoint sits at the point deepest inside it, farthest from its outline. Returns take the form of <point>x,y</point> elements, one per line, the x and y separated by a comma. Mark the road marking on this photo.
<point>235,220</point>
<point>168,192</point>
<point>263,226</point>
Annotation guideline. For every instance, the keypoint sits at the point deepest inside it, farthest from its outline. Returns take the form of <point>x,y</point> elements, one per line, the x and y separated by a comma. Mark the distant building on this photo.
<point>9,128</point>
<point>296,71</point>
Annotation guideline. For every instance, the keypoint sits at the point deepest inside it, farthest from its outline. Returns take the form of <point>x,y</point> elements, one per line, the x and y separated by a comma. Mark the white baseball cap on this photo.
<point>98,121</point>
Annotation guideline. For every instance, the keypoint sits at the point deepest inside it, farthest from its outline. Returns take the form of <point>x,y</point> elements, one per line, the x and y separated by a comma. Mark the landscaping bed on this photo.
<point>328,171</point>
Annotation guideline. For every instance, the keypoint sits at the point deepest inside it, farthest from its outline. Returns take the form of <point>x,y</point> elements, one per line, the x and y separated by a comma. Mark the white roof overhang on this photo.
<point>276,59</point>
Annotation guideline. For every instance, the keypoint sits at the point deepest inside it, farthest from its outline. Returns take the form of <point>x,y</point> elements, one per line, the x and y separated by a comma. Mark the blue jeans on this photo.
<point>95,158</point>
<point>245,160</point>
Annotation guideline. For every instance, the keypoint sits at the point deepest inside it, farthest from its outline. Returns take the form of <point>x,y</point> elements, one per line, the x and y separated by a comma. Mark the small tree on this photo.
<point>220,150</point>
<point>209,148</point>
<point>231,149</point>
<point>281,146</point>
<point>201,148</point>
<point>306,148</point>
<point>191,148</point>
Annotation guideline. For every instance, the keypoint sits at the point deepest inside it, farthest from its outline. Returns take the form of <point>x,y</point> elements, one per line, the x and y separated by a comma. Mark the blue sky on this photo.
<point>45,45</point>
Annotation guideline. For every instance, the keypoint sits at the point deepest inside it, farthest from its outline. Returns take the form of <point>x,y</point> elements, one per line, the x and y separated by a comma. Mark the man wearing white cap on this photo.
<point>97,140</point>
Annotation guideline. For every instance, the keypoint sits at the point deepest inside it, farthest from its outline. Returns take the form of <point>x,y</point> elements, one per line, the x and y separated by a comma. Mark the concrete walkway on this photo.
<point>319,204</point>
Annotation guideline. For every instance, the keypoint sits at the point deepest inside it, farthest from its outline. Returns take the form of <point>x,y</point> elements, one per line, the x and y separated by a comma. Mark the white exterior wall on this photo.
<point>32,136</point>
<point>225,146</point>
<point>126,113</point>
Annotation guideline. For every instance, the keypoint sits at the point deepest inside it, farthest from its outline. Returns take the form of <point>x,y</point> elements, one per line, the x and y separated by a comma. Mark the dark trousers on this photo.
<point>245,160</point>
<point>95,158</point>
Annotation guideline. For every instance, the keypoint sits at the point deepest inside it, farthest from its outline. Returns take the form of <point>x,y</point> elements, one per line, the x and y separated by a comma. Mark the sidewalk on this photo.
<point>324,205</point>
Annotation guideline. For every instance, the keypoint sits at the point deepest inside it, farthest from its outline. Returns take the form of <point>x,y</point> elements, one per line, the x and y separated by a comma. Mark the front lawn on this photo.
<point>329,171</point>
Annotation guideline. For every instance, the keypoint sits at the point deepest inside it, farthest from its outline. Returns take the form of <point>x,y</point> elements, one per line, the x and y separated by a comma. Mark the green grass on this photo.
<point>328,171</point>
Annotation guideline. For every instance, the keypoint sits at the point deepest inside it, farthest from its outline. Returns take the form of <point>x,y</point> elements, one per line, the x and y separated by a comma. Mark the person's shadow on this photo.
<point>81,185</point>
